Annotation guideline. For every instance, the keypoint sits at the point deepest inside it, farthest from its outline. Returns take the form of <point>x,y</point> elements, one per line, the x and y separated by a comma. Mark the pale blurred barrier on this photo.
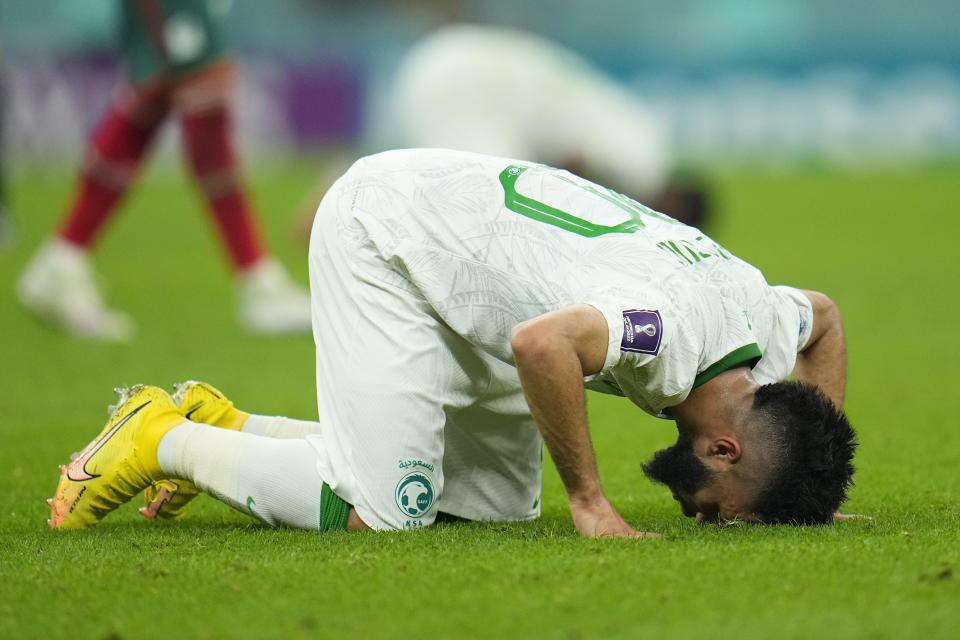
<point>842,114</point>
<point>839,114</point>
<point>854,81</point>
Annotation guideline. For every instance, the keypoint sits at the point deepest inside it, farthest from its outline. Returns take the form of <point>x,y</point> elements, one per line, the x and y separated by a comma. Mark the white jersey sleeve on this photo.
<point>661,349</point>
<point>650,358</point>
<point>658,351</point>
<point>783,334</point>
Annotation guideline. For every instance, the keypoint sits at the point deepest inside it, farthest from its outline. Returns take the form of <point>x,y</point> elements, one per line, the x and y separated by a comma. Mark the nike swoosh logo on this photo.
<point>193,409</point>
<point>80,462</point>
<point>250,503</point>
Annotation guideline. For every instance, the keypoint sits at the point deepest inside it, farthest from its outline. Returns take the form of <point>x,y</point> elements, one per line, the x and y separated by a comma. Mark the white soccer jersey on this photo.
<point>491,242</point>
<point>507,92</point>
<point>422,261</point>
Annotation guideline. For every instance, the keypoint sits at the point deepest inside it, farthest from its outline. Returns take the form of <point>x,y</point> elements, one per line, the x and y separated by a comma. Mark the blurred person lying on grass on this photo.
<point>462,305</point>
<point>509,92</point>
<point>505,91</point>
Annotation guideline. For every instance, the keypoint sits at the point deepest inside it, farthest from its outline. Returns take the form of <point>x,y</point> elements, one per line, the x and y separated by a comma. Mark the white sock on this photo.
<point>279,427</point>
<point>272,479</point>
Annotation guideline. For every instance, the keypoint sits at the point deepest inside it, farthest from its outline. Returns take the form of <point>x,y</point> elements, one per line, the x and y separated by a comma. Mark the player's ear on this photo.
<point>725,449</point>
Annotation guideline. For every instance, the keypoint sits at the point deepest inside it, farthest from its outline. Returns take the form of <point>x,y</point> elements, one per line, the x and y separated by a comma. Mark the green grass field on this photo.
<point>883,244</point>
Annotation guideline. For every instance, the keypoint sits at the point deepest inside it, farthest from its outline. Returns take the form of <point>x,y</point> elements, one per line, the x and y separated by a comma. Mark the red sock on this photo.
<point>114,154</point>
<point>206,137</point>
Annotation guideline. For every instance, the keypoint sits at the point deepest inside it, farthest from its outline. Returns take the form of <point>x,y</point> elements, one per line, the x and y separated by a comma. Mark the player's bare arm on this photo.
<point>823,361</point>
<point>553,353</point>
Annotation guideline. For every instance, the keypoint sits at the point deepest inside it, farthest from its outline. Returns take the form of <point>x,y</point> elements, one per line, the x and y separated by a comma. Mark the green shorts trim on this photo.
<point>747,354</point>
<point>333,511</point>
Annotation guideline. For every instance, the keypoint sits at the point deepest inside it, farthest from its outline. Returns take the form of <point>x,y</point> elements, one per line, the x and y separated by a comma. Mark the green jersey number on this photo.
<point>542,212</point>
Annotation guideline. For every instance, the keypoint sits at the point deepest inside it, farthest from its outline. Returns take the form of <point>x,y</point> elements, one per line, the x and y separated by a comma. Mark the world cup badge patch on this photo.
<point>642,331</point>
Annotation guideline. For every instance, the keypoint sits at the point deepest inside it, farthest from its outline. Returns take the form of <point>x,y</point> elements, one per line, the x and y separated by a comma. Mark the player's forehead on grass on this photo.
<point>792,462</point>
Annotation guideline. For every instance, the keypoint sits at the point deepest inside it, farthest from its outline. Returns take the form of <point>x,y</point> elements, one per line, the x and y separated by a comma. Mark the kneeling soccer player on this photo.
<point>462,304</point>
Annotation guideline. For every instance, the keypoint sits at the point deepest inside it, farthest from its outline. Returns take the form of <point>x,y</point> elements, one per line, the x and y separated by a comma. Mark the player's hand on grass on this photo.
<point>850,516</point>
<point>598,518</point>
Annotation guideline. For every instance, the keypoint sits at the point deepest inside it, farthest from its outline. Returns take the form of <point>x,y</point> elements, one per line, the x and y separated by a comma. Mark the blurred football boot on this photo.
<point>270,302</point>
<point>58,284</point>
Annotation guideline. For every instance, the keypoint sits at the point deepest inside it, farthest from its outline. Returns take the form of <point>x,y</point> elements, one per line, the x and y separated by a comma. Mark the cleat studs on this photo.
<point>49,502</point>
<point>123,395</point>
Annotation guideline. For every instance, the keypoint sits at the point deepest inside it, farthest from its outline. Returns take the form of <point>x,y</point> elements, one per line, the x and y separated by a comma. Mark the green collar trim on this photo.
<point>746,354</point>
<point>333,510</point>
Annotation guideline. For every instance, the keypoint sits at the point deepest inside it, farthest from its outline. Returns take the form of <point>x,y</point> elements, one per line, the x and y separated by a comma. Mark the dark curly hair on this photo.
<point>812,446</point>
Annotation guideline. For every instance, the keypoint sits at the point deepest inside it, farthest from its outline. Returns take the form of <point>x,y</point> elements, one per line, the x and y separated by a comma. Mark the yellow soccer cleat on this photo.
<point>168,499</point>
<point>118,463</point>
<point>200,402</point>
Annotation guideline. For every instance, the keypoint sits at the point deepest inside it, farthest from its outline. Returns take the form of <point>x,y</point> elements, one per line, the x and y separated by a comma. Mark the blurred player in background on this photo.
<point>507,92</point>
<point>174,55</point>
